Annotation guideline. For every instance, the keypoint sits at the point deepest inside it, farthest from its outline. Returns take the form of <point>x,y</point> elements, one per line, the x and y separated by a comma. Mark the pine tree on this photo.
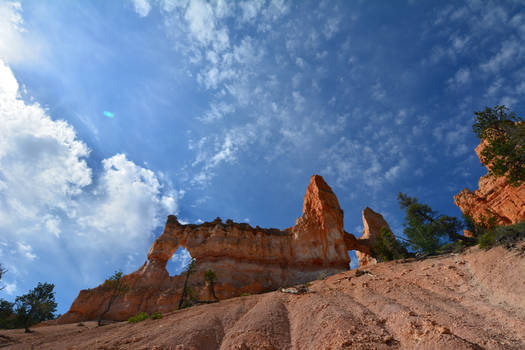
<point>426,229</point>
<point>117,287</point>
<point>504,134</point>
<point>387,247</point>
<point>211,278</point>
<point>186,292</point>
<point>36,306</point>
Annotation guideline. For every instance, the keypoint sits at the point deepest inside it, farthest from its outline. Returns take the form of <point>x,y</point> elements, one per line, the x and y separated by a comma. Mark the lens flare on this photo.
<point>109,114</point>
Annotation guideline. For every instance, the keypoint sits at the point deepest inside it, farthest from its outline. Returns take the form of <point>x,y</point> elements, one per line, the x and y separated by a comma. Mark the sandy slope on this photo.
<point>474,300</point>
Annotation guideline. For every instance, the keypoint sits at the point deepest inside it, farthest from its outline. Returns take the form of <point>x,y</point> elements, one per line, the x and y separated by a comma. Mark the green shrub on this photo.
<point>156,316</point>
<point>245,294</point>
<point>502,235</point>
<point>138,317</point>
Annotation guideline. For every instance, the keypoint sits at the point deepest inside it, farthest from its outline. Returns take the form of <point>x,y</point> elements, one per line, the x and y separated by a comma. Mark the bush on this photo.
<point>138,317</point>
<point>502,235</point>
<point>156,316</point>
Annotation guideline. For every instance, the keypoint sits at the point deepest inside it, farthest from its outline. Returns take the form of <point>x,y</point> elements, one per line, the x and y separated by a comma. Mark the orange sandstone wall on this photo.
<point>494,197</point>
<point>245,259</point>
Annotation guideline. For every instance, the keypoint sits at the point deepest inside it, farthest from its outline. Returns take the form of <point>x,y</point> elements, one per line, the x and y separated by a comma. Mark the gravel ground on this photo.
<point>473,300</point>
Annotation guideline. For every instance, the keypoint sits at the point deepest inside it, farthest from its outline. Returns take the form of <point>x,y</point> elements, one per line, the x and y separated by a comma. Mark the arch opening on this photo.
<point>178,262</point>
<point>354,263</point>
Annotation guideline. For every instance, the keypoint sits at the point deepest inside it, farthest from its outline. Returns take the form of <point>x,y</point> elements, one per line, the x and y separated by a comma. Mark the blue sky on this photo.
<point>226,109</point>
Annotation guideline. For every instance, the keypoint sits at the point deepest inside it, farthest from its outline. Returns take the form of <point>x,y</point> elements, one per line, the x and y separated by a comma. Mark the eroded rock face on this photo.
<point>372,223</point>
<point>245,259</point>
<point>494,198</point>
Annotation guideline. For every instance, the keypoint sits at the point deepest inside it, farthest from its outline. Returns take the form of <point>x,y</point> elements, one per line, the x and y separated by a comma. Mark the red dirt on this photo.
<point>474,300</point>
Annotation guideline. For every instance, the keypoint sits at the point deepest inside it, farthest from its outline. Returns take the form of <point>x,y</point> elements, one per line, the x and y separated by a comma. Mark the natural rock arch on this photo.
<point>245,259</point>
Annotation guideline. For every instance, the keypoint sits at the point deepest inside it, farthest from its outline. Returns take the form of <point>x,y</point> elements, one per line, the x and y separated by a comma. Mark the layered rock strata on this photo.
<point>245,259</point>
<point>494,198</point>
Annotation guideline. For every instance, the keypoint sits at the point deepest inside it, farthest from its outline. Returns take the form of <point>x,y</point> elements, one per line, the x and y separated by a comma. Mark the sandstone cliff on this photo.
<point>245,259</point>
<point>494,198</point>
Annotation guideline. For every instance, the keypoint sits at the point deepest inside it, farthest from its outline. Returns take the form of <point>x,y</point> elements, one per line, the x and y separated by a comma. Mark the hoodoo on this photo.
<point>495,198</point>
<point>245,259</point>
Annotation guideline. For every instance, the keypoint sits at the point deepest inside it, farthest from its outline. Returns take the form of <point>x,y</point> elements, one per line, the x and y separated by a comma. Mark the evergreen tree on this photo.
<point>504,133</point>
<point>211,278</point>
<point>186,292</point>
<point>7,315</point>
<point>425,229</point>
<point>387,247</point>
<point>36,306</point>
<point>117,286</point>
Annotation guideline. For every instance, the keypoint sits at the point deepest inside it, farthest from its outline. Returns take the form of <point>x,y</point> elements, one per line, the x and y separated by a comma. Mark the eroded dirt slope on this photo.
<point>474,300</point>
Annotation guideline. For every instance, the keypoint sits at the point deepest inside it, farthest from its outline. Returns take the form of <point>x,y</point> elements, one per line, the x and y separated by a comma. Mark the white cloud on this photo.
<point>42,163</point>
<point>17,45</point>
<point>378,92</point>
<point>459,43</point>
<point>10,288</point>
<point>26,250</point>
<point>142,7</point>
<point>127,190</point>
<point>510,50</point>
<point>250,9</point>
<point>203,25</point>
<point>461,77</point>
<point>299,101</point>
<point>50,199</point>
<point>217,111</point>
<point>331,27</point>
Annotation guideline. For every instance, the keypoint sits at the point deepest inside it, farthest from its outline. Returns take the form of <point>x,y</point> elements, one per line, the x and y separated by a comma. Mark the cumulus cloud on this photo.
<point>50,198</point>
<point>125,190</point>
<point>42,163</point>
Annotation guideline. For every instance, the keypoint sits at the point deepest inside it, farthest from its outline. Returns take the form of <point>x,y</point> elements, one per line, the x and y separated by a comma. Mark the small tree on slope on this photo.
<point>117,287</point>
<point>211,278</point>
<point>186,289</point>
<point>36,306</point>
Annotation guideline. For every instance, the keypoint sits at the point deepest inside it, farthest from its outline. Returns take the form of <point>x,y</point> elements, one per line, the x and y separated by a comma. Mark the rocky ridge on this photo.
<point>494,198</point>
<point>471,300</point>
<point>245,259</point>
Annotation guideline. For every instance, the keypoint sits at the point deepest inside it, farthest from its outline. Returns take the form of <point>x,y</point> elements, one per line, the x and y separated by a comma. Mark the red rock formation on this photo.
<point>372,223</point>
<point>494,198</point>
<point>245,259</point>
